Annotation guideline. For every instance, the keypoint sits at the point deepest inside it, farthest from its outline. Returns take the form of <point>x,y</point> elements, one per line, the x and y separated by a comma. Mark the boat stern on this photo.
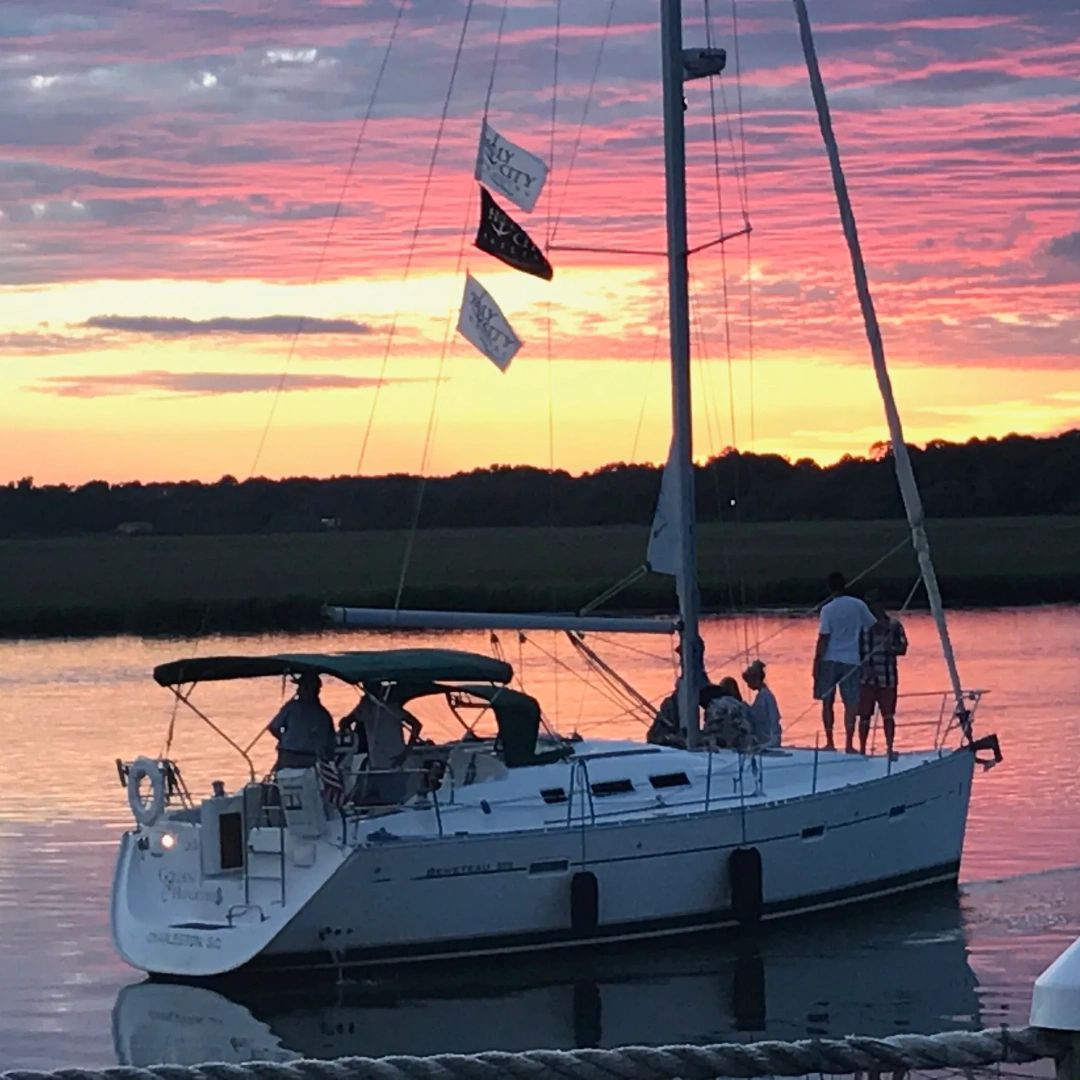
<point>167,916</point>
<point>203,891</point>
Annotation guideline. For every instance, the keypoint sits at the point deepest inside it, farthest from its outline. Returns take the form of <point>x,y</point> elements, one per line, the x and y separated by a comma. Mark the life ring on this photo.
<point>143,768</point>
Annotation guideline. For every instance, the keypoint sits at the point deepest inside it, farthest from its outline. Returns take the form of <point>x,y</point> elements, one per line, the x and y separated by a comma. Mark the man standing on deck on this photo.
<point>836,658</point>
<point>879,646</point>
<point>303,727</point>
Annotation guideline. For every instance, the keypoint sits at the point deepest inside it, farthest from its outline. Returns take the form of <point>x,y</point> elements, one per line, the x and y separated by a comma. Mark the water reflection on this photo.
<point>886,969</point>
<point>71,707</point>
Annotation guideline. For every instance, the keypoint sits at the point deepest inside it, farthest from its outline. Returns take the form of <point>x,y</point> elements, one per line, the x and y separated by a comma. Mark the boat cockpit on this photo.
<point>381,758</point>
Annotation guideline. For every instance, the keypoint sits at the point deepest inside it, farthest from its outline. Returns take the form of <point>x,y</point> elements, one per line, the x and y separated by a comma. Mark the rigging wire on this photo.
<point>723,253</point>
<point>573,671</point>
<point>725,552</point>
<point>554,117</point>
<point>636,649</point>
<point>609,675</point>
<point>329,231</point>
<point>741,113</point>
<point>549,325</point>
<point>584,118</point>
<point>495,59</point>
<point>738,162</point>
<point>745,197</point>
<point>785,626</point>
<point>736,568</point>
<point>447,344</point>
<point>416,230</point>
<point>660,323</point>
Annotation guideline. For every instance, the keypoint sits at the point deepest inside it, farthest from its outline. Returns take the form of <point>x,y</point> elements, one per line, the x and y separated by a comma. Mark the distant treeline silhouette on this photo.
<point>1016,475</point>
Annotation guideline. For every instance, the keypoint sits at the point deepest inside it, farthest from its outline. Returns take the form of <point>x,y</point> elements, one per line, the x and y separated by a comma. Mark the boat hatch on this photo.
<point>611,787</point>
<point>671,779</point>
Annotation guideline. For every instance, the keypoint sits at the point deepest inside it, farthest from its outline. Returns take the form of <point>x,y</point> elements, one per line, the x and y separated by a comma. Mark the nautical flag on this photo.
<point>508,169</point>
<point>485,326</point>
<point>333,787</point>
<point>500,235</point>
<point>662,554</point>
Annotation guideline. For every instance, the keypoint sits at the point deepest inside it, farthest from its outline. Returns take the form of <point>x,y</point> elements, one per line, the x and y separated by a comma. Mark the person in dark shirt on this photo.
<point>303,727</point>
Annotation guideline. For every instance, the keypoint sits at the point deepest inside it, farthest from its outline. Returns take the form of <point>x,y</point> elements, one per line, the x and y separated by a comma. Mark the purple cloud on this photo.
<point>263,325</point>
<point>199,383</point>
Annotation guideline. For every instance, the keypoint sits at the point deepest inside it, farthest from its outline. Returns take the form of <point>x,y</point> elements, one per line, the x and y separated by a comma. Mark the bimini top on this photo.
<point>390,665</point>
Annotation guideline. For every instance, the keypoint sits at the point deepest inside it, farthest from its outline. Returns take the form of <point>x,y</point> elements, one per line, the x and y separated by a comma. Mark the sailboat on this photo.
<point>519,840</point>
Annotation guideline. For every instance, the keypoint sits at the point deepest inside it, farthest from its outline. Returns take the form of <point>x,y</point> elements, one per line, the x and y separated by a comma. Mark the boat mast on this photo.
<point>691,674</point>
<point>909,490</point>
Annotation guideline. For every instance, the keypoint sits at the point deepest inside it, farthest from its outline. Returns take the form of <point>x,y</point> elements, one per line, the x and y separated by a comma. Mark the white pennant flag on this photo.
<point>485,326</point>
<point>506,168</point>
<point>662,554</point>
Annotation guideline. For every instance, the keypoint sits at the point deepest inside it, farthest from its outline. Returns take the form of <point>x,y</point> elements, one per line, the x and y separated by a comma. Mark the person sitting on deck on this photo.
<point>764,712</point>
<point>727,719</point>
<point>665,729</point>
<point>303,727</point>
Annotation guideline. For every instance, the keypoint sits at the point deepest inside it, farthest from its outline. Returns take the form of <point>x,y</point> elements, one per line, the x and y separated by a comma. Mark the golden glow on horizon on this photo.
<point>804,404</point>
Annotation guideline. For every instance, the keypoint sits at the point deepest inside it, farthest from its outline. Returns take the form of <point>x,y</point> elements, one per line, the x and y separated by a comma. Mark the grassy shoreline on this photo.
<point>190,585</point>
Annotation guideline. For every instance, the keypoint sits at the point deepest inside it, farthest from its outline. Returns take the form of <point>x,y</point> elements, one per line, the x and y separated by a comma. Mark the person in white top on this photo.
<point>836,658</point>
<point>764,712</point>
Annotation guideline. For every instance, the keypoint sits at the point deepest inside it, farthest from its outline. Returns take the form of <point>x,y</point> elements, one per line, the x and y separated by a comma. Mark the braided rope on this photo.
<point>955,1049</point>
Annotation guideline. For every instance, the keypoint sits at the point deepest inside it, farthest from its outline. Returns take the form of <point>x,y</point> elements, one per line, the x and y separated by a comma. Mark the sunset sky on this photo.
<point>191,288</point>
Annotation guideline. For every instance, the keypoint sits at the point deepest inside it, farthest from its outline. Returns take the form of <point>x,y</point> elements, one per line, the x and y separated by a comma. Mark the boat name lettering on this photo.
<point>468,868</point>
<point>161,1017</point>
<point>189,941</point>
<point>176,877</point>
<point>178,892</point>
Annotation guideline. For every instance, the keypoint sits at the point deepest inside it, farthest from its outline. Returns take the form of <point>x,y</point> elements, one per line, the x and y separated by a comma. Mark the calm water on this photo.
<point>70,708</point>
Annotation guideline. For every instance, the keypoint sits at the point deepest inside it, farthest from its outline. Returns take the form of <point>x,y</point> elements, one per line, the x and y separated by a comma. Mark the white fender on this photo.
<point>148,769</point>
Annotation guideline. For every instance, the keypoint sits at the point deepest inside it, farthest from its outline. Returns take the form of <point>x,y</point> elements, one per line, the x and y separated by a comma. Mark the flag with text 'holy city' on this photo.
<point>500,235</point>
<point>482,324</point>
<point>509,169</point>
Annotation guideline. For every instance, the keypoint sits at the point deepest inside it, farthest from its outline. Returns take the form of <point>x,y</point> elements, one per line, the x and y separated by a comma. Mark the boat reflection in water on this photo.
<point>893,967</point>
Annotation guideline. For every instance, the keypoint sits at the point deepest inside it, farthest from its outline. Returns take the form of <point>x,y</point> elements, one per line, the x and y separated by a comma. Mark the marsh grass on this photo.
<point>106,584</point>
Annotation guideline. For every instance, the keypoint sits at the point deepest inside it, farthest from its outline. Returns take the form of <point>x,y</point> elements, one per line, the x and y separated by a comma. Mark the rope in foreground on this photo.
<point>956,1049</point>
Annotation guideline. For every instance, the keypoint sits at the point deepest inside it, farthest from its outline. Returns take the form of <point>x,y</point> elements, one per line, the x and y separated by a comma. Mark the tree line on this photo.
<point>1015,475</point>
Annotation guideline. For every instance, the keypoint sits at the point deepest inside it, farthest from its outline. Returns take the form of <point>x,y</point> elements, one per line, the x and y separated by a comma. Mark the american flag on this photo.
<point>333,787</point>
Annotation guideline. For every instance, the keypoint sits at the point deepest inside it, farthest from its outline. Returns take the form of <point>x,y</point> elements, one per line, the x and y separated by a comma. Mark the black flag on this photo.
<point>500,235</point>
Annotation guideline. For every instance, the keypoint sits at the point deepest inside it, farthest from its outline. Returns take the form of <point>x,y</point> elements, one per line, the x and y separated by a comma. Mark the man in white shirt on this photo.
<point>836,658</point>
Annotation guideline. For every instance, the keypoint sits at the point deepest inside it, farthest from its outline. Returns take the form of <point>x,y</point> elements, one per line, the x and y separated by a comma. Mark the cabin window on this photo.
<point>896,811</point>
<point>670,779</point>
<point>231,840</point>
<point>812,832</point>
<point>611,787</point>
<point>553,794</point>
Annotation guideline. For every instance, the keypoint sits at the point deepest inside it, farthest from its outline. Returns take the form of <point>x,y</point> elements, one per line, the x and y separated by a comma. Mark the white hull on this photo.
<point>503,879</point>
